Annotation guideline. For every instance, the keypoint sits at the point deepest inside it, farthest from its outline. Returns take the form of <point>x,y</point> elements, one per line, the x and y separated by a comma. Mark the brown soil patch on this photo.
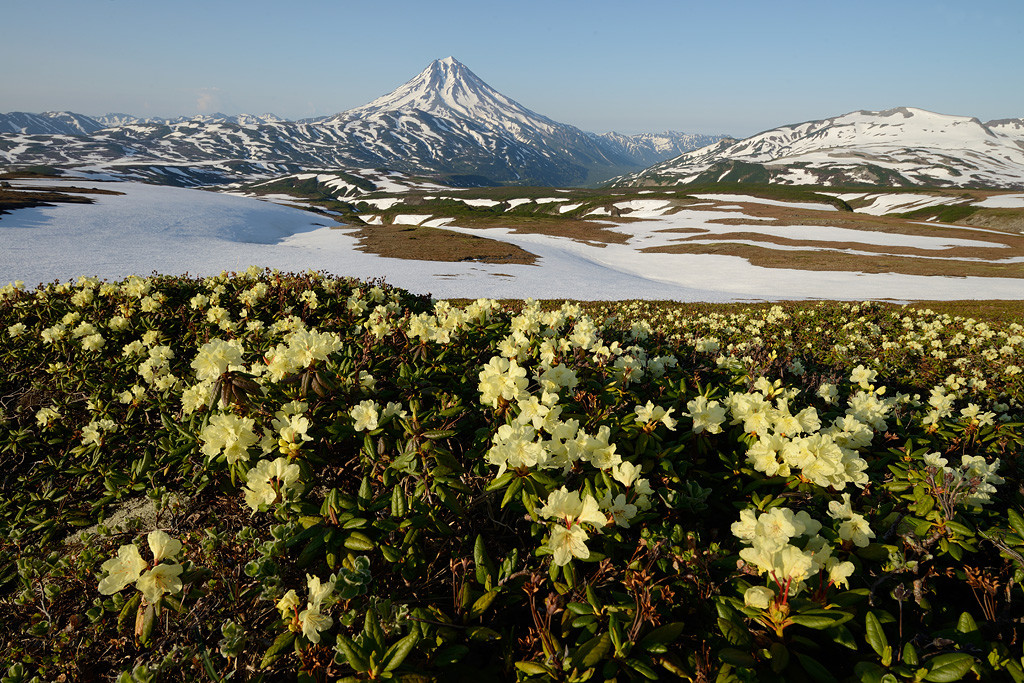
<point>854,221</point>
<point>418,243</point>
<point>996,252</point>
<point>60,188</point>
<point>830,260</point>
<point>587,232</point>
<point>27,197</point>
<point>686,231</point>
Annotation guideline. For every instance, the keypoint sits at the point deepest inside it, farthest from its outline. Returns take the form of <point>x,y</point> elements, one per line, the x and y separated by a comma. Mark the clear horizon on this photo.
<point>738,69</point>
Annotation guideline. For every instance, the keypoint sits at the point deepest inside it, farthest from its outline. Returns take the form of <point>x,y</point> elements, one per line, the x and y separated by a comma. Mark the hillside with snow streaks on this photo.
<point>896,147</point>
<point>48,123</point>
<point>445,122</point>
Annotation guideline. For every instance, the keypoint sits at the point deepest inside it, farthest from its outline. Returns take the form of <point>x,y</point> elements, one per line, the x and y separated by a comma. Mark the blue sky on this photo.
<point>732,66</point>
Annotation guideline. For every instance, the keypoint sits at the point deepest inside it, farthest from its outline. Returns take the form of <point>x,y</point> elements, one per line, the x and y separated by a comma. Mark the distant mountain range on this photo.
<point>449,125</point>
<point>445,122</point>
<point>896,147</point>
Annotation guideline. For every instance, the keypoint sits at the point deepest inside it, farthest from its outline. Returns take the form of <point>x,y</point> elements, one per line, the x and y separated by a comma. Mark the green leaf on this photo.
<point>641,668</point>
<point>512,491</point>
<point>959,528</point>
<point>500,482</point>
<point>868,672</point>
<point>615,630</point>
<point>662,635</point>
<point>735,633</point>
<point>843,636</point>
<point>485,568</point>
<point>533,669</point>
<point>398,504</point>
<point>815,669</point>
<point>1016,522</point>
<point>357,540</point>
<point>130,606</point>
<point>145,618</point>
<point>820,619</point>
<point>397,653</point>
<point>591,652</point>
<point>909,655</point>
<point>450,655</point>
<point>966,623</point>
<point>731,655</point>
<point>949,667</point>
<point>482,634</point>
<point>353,653</point>
<point>274,651</point>
<point>580,608</point>
<point>874,634</point>
<point>780,657</point>
<point>482,604</point>
<point>372,630</point>
<point>365,495</point>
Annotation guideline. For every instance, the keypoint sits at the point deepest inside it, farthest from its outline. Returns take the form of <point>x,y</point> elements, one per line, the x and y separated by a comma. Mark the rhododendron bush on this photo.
<point>269,476</point>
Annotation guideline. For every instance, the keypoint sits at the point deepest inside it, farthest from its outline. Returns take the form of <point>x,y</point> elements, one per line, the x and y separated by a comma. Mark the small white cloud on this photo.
<point>208,99</point>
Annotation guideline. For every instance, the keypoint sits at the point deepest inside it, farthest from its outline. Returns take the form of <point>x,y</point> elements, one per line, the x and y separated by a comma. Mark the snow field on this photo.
<point>173,230</point>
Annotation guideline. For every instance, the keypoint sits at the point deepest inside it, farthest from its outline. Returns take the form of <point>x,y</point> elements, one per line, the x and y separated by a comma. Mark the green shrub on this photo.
<point>369,484</point>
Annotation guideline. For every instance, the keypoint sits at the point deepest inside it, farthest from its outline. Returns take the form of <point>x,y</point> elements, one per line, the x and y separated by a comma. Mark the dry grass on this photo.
<point>996,252</point>
<point>28,197</point>
<point>437,244</point>
<point>1000,219</point>
<point>994,310</point>
<point>815,259</point>
<point>853,221</point>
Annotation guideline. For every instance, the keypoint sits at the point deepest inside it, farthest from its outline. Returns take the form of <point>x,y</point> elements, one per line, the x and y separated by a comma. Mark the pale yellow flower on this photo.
<point>758,597</point>
<point>566,544</point>
<point>365,415</point>
<point>313,622</point>
<point>216,357</point>
<point>163,578</point>
<point>121,570</point>
<point>288,603</point>
<point>163,546</point>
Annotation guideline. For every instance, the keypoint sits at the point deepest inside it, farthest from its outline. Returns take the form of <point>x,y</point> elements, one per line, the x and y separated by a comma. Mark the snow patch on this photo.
<point>882,204</point>
<point>410,219</point>
<point>1002,201</point>
<point>770,202</point>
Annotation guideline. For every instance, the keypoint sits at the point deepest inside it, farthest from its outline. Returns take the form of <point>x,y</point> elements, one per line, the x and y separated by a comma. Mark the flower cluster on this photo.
<point>153,579</point>
<point>786,546</point>
<point>311,620</point>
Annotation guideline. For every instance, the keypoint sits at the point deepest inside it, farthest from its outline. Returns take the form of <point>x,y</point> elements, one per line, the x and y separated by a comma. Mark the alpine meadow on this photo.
<point>438,388</point>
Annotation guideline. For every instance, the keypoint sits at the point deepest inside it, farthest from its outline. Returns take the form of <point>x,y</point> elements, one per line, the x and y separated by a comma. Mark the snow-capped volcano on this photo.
<point>903,146</point>
<point>445,122</point>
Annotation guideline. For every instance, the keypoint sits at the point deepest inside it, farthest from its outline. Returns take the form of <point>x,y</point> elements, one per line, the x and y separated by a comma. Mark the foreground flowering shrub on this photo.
<point>337,479</point>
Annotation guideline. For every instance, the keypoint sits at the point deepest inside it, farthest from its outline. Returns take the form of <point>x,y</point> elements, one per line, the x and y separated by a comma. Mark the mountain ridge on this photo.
<point>444,121</point>
<point>903,146</point>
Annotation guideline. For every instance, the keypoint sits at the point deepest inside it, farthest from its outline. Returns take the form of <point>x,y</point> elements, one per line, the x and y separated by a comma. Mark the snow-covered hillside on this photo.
<point>48,123</point>
<point>899,147</point>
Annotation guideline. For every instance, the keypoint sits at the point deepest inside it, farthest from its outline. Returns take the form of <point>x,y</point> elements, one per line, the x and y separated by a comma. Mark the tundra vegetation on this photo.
<point>346,481</point>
